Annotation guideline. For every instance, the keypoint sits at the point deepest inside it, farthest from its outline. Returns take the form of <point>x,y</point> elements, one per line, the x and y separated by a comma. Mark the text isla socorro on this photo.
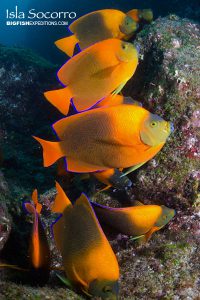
<point>33,14</point>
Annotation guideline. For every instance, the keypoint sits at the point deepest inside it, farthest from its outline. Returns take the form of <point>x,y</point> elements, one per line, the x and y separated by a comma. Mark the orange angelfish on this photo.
<point>113,137</point>
<point>94,74</point>
<point>88,259</point>
<point>138,221</point>
<point>95,27</point>
<point>39,252</point>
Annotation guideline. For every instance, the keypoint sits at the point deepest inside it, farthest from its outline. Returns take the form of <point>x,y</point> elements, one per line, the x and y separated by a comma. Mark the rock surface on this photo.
<point>5,218</point>
<point>167,83</point>
<point>24,77</point>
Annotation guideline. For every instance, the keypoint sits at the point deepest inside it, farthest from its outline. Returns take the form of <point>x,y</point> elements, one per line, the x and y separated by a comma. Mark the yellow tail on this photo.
<point>60,99</point>
<point>67,44</point>
<point>51,151</point>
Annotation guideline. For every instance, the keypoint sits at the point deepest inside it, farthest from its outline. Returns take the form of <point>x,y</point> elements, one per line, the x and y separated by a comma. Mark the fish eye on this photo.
<point>124,46</point>
<point>153,124</point>
<point>107,289</point>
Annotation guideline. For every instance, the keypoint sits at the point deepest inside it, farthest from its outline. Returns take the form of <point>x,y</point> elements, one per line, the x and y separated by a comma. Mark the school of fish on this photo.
<point>107,133</point>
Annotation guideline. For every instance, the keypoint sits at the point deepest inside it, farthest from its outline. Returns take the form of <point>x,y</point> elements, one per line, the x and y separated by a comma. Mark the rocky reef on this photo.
<point>167,83</point>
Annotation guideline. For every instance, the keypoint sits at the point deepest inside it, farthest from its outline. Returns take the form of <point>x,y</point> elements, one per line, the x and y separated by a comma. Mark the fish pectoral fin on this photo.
<point>60,99</point>
<point>79,279</point>
<point>61,201</point>
<point>150,232</point>
<point>119,88</point>
<point>105,73</point>
<point>131,169</point>
<point>65,281</point>
<point>67,44</point>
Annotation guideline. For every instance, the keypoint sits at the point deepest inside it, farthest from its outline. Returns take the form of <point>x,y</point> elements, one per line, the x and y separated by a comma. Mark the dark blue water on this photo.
<point>41,38</point>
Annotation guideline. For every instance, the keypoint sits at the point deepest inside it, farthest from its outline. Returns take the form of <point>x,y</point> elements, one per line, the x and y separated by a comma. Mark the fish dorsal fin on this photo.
<point>83,200</point>
<point>138,203</point>
<point>38,206</point>
<point>61,201</point>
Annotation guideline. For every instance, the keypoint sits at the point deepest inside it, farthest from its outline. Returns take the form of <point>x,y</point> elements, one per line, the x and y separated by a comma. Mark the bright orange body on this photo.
<point>86,253</point>
<point>100,69</point>
<point>134,221</point>
<point>100,139</point>
<point>98,26</point>
<point>39,249</point>
<point>103,139</point>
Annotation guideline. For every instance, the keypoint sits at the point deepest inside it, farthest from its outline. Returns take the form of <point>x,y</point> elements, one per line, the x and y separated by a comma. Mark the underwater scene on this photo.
<point>99,150</point>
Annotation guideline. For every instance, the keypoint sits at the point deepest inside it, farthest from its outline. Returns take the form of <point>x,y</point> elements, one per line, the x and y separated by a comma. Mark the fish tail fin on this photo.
<point>67,44</point>
<point>61,201</point>
<point>38,206</point>
<point>51,151</point>
<point>60,99</point>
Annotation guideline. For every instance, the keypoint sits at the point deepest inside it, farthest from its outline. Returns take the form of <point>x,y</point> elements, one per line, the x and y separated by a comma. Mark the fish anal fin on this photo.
<point>51,151</point>
<point>67,44</point>
<point>60,99</point>
<point>80,167</point>
<point>150,232</point>
<point>61,201</point>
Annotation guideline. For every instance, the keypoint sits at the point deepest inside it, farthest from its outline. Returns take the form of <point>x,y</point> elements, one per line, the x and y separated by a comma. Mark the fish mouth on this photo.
<point>169,127</point>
